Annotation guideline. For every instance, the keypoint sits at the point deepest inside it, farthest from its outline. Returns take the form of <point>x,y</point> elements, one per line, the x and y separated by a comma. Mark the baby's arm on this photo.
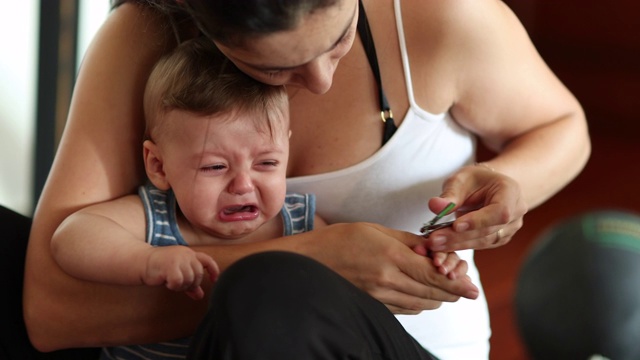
<point>105,243</point>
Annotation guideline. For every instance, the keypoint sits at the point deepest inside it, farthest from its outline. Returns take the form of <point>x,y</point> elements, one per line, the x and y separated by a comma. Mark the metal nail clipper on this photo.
<point>432,225</point>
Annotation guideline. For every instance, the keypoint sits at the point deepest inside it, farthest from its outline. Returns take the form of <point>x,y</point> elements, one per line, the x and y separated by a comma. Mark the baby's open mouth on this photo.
<point>240,209</point>
<point>240,213</point>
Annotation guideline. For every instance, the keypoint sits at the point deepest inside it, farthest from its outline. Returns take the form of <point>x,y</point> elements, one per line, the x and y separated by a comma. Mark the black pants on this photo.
<point>279,305</point>
<point>14,343</point>
<point>272,305</point>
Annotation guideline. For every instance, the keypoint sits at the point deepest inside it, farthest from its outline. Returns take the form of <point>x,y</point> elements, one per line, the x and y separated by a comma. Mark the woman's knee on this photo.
<point>276,279</point>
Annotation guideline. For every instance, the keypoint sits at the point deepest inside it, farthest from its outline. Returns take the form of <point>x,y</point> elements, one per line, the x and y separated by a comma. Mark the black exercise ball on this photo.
<point>578,291</point>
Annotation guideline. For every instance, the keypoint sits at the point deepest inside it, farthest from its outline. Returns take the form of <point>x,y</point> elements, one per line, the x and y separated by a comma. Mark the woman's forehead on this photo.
<point>316,34</point>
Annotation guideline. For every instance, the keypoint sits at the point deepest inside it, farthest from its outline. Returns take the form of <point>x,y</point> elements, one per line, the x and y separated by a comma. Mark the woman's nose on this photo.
<point>241,184</point>
<point>318,74</point>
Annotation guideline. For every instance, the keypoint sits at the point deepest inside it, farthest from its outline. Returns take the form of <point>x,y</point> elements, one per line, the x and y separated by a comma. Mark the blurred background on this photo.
<point>593,47</point>
<point>45,40</point>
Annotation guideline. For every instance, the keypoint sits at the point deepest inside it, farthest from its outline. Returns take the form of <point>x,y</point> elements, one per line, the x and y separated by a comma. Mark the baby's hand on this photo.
<point>179,268</point>
<point>449,264</point>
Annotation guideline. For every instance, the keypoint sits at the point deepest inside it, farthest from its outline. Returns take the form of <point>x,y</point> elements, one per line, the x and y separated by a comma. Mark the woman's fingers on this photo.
<point>408,296</point>
<point>382,262</point>
<point>483,238</point>
<point>424,280</point>
<point>490,210</point>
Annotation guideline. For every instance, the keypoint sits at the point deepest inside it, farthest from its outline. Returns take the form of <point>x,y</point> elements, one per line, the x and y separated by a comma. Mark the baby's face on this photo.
<point>228,175</point>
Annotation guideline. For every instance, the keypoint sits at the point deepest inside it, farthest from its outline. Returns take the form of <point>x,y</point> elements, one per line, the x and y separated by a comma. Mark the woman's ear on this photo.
<point>154,166</point>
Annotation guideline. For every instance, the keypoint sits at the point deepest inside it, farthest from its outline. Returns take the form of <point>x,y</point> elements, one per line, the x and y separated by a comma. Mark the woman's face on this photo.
<point>306,56</point>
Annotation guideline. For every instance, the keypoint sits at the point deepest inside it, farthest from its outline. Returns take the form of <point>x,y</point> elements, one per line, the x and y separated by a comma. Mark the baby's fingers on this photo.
<point>458,270</point>
<point>195,293</point>
<point>208,264</point>
<point>439,258</point>
<point>450,264</point>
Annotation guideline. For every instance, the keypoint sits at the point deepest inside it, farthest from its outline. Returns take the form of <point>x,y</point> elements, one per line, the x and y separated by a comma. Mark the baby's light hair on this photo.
<point>196,77</point>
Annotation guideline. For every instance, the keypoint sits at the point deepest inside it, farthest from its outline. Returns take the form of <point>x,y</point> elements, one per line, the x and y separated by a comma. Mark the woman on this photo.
<point>450,70</point>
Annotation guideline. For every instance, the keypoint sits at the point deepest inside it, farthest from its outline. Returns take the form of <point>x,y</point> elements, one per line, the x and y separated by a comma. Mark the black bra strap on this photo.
<point>370,49</point>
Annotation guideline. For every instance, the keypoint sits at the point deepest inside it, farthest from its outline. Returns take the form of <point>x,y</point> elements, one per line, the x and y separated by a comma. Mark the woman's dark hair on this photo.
<point>231,22</point>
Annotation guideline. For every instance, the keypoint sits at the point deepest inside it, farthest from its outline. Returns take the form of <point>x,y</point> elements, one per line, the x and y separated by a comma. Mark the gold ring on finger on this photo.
<point>499,235</point>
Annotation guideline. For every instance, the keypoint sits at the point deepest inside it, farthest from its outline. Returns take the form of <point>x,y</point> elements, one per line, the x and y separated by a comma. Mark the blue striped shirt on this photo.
<point>162,230</point>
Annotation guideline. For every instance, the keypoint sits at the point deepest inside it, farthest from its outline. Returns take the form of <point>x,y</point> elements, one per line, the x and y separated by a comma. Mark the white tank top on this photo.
<point>392,188</point>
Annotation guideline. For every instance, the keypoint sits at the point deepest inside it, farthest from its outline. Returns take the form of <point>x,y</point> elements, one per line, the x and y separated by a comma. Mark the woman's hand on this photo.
<point>382,262</point>
<point>490,210</point>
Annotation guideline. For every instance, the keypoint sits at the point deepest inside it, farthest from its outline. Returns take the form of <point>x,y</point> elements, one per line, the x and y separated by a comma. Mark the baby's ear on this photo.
<point>154,166</point>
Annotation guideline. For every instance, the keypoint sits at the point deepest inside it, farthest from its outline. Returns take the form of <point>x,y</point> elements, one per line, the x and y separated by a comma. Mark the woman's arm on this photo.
<point>519,108</point>
<point>505,93</point>
<point>378,260</point>
<point>99,159</point>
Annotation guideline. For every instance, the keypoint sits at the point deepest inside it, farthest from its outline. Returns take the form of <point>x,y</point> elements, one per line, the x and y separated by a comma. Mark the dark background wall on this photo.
<point>594,48</point>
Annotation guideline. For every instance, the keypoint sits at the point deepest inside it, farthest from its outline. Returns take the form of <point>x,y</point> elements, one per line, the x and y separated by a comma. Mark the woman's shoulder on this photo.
<point>451,35</point>
<point>165,25</point>
<point>443,40</point>
<point>134,25</point>
<point>449,20</point>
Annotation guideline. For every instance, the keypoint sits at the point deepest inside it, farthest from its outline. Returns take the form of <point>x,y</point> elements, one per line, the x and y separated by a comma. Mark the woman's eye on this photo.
<point>346,38</point>
<point>272,73</point>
